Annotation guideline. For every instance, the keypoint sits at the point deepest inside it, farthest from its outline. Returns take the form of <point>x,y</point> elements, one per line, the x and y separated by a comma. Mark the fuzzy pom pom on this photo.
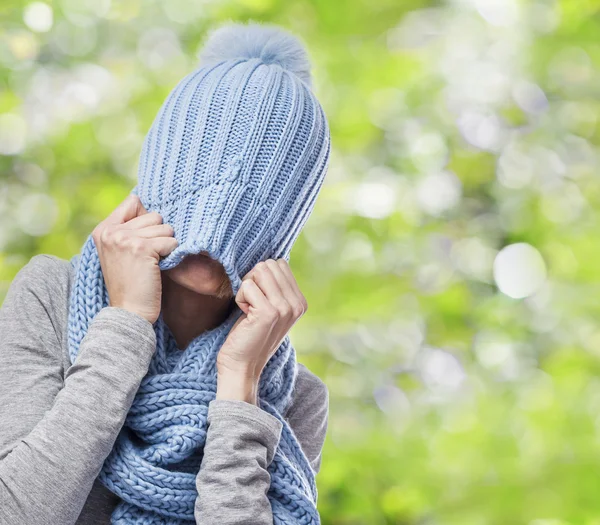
<point>269,42</point>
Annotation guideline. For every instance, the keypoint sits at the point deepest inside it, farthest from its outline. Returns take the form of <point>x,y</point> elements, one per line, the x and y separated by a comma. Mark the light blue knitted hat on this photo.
<point>234,161</point>
<point>236,156</point>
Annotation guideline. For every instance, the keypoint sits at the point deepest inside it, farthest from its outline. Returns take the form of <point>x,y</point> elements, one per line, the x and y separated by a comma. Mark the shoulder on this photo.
<point>44,275</point>
<point>41,287</point>
<point>48,275</point>
<point>309,389</point>
<point>308,413</point>
<point>47,269</point>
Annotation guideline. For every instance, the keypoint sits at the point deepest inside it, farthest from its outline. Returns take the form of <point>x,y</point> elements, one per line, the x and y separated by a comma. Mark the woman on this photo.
<point>150,379</point>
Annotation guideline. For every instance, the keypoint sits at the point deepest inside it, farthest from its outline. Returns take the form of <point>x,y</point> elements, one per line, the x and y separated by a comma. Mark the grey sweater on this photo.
<point>58,422</point>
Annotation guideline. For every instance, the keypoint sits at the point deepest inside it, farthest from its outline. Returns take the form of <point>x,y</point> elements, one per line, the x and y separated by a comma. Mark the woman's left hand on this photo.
<point>271,303</point>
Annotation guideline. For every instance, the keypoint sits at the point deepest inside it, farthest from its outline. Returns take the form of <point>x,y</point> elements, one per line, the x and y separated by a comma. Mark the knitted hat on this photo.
<point>237,153</point>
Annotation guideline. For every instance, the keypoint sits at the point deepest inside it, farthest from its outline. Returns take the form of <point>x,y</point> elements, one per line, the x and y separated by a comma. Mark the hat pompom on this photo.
<point>269,42</point>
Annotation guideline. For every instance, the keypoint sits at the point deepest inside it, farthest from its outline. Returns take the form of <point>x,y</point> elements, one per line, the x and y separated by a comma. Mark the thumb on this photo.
<point>129,208</point>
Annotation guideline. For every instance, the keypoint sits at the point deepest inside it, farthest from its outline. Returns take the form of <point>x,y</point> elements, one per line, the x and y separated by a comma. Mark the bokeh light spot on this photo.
<point>519,270</point>
<point>38,17</point>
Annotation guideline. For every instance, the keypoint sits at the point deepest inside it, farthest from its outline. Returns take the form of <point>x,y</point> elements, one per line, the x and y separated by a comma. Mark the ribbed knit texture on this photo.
<point>234,161</point>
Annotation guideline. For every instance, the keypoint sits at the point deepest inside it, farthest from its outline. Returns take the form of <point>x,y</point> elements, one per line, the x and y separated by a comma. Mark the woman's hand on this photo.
<point>271,303</point>
<point>130,242</point>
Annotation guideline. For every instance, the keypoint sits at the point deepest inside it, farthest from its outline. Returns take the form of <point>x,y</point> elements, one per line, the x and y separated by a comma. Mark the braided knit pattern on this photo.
<point>233,161</point>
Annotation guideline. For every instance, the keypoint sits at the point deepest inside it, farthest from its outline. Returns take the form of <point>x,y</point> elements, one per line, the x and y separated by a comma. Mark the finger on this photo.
<point>289,293</point>
<point>128,209</point>
<point>291,279</point>
<point>156,230</point>
<point>252,296</point>
<point>147,219</point>
<point>264,278</point>
<point>292,282</point>
<point>163,246</point>
<point>267,280</point>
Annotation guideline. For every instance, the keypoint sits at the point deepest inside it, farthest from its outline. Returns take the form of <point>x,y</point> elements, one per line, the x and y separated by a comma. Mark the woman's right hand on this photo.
<point>130,242</point>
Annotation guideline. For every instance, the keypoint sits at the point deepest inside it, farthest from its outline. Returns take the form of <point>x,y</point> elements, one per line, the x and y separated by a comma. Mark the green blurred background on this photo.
<point>450,263</point>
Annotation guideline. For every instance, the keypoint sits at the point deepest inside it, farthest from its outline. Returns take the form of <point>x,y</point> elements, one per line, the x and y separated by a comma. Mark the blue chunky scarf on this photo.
<point>234,161</point>
<point>156,457</point>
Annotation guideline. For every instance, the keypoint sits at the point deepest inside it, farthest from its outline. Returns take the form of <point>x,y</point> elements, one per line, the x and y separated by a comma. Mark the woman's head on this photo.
<point>237,153</point>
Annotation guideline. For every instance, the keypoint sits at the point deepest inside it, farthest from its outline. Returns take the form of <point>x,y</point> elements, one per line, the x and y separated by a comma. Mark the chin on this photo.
<point>201,274</point>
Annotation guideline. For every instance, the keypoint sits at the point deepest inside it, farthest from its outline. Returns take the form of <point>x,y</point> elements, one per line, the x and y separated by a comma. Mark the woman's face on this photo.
<point>201,274</point>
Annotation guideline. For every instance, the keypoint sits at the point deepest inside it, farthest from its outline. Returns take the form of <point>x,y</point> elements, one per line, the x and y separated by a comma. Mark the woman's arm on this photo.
<point>241,441</point>
<point>55,434</point>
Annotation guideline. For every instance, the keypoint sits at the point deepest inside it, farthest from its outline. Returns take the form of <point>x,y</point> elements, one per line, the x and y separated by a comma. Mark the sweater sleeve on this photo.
<point>55,433</point>
<point>233,480</point>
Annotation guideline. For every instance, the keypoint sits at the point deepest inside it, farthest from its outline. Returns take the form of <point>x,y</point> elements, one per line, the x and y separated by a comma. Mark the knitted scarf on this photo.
<point>157,454</point>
